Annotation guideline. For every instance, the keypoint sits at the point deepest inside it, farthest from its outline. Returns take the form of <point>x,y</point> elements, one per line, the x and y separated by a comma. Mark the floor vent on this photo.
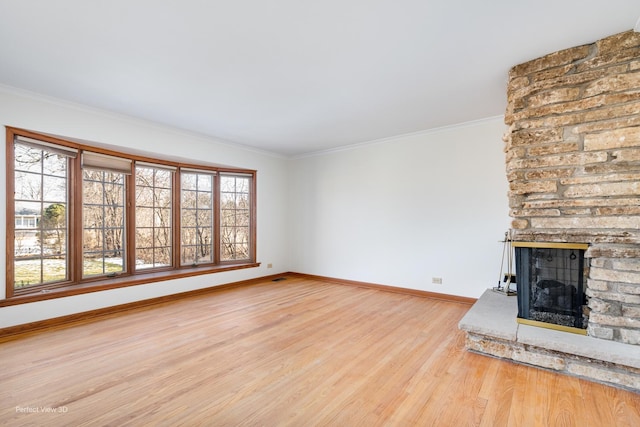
<point>279,279</point>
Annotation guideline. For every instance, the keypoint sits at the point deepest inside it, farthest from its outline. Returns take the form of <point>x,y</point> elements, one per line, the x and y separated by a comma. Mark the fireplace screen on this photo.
<point>550,281</point>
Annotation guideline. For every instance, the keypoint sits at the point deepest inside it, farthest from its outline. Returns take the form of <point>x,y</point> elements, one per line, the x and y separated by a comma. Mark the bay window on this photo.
<point>83,216</point>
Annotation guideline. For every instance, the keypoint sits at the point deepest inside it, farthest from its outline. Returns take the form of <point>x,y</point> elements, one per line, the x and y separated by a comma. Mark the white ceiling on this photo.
<point>292,76</point>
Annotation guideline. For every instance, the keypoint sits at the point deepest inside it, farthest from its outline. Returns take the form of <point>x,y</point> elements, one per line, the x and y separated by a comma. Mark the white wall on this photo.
<point>405,210</point>
<point>29,111</point>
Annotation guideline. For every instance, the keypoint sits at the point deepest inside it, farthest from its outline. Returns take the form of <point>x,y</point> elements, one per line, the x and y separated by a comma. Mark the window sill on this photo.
<point>118,282</point>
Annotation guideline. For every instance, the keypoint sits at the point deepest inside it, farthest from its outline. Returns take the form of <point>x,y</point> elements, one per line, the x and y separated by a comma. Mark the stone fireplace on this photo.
<point>573,166</point>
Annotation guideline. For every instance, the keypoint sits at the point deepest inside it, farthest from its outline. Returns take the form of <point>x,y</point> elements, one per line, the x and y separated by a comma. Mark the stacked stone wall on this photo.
<point>573,166</point>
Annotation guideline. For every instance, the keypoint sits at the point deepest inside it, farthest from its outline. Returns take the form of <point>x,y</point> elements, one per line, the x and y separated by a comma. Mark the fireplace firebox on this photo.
<point>550,279</point>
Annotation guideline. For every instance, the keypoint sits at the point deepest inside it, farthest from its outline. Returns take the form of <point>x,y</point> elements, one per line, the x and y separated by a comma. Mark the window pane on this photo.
<point>205,182</point>
<point>144,197</point>
<point>144,217</point>
<point>162,198</point>
<point>189,217</point>
<point>144,177</point>
<point>189,236</point>
<point>188,255</point>
<point>91,186</point>
<point>28,159</point>
<point>144,237</point>
<point>153,217</point>
<point>55,165</point>
<point>205,257</point>
<point>189,199</point>
<point>54,269</point>
<point>93,240</point>
<point>242,201</point>
<point>104,247</point>
<point>92,175</point>
<point>205,216</point>
<point>188,181</point>
<point>144,258</point>
<point>163,178</point>
<point>162,236</point>
<point>227,184</point>
<point>162,257</point>
<point>41,217</point>
<point>234,251</point>
<point>162,217</point>
<point>205,200</point>
<point>28,186</point>
<point>197,219</point>
<point>234,217</point>
<point>93,215</point>
<point>242,218</point>
<point>227,200</point>
<point>114,215</point>
<point>96,266</point>
<point>27,272</point>
<point>204,241</point>
<point>54,189</point>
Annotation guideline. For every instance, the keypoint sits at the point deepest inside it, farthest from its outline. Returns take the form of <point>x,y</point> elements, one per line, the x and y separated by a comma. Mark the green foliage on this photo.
<point>54,220</point>
<point>54,216</point>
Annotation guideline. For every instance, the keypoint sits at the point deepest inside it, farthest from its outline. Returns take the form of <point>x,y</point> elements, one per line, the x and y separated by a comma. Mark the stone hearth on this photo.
<point>492,329</point>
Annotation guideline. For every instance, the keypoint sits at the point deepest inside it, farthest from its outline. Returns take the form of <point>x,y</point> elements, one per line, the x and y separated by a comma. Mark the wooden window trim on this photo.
<point>87,286</point>
<point>79,285</point>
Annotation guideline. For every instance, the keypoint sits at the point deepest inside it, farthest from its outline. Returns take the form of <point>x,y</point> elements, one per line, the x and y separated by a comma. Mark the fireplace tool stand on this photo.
<point>508,278</point>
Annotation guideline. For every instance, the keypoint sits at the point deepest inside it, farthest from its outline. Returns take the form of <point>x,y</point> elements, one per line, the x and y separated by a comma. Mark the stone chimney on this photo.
<point>573,166</point>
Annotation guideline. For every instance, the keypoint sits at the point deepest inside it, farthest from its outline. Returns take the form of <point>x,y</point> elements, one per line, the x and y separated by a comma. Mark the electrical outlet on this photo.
<point>436,280</point>
<point>269,265</point>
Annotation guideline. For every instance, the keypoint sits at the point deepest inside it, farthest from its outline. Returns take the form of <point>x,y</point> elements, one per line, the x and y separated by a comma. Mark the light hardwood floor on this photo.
<point>298,352</point>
